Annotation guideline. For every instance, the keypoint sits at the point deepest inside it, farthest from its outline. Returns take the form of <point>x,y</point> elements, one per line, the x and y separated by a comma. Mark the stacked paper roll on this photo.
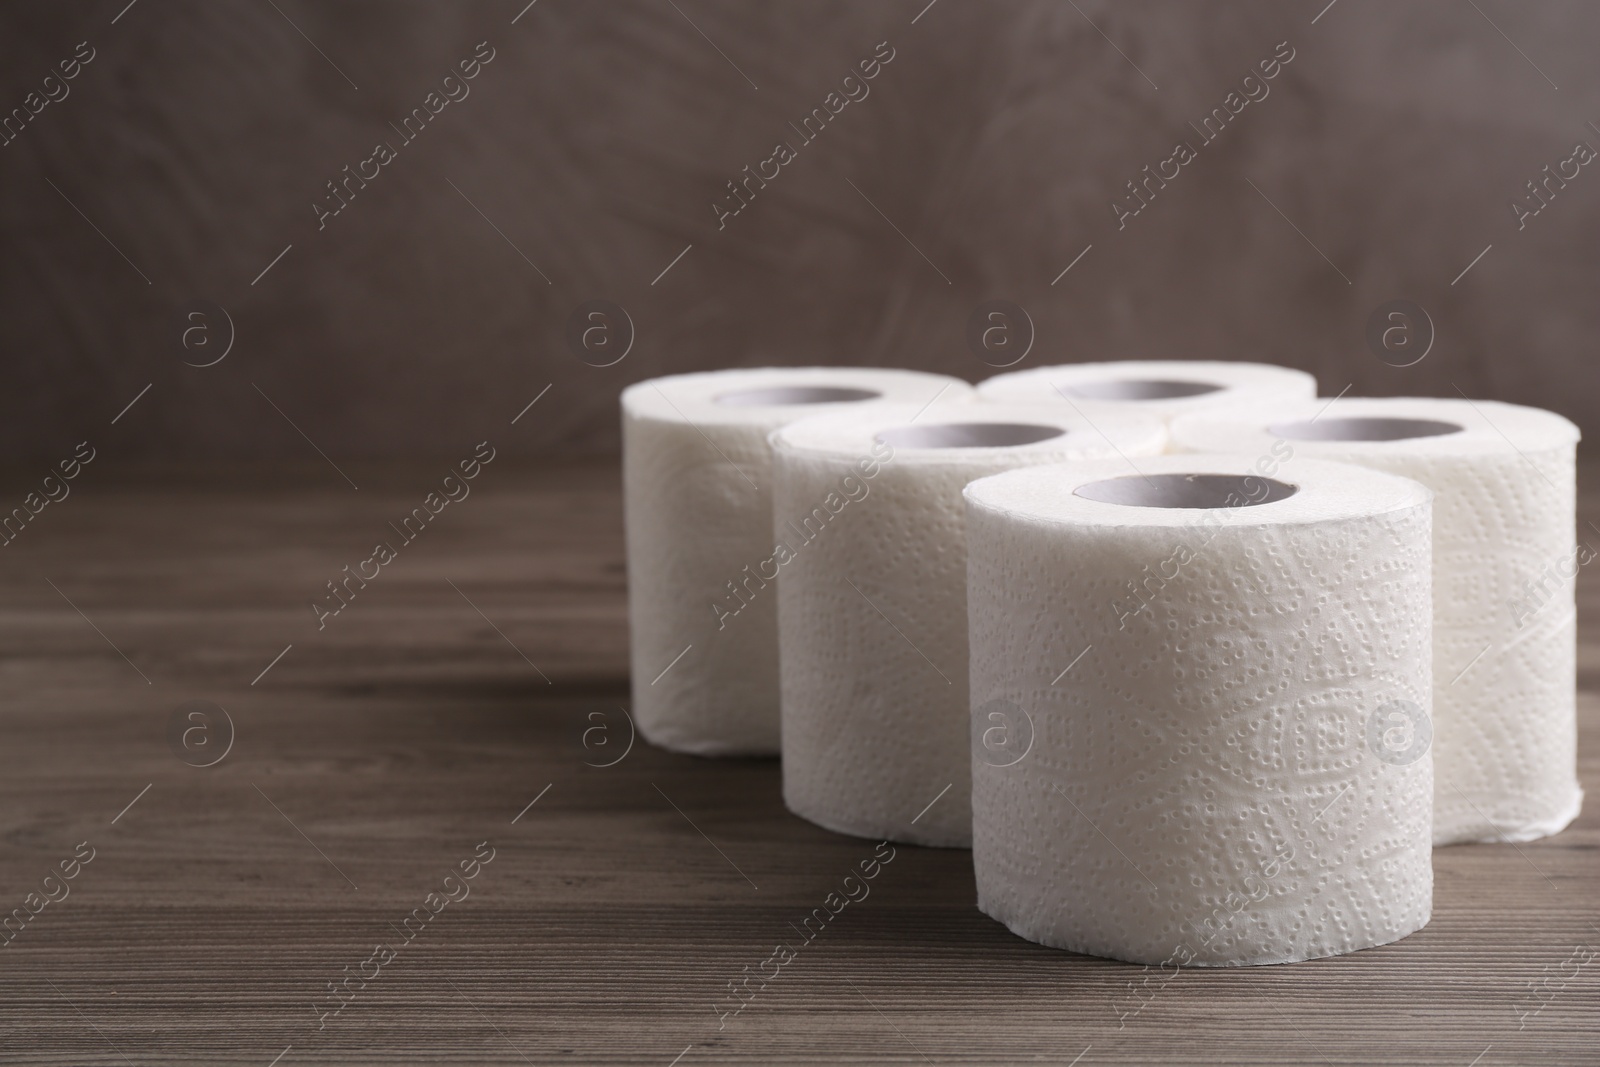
<point>1174,677</point>
<point>872,605</point>
<point>1166,388</point>
<point>697,481</point>
<point>1504,727</point>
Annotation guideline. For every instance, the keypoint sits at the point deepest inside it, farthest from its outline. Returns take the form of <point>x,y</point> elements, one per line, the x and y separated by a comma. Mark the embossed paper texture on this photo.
<point>697,487</point>
<point>1505,621</point>
<point>1198,786</point>
<point>872,617</point>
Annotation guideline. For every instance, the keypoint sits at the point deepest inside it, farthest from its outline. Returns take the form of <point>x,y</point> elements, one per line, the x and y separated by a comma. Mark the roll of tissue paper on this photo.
<point>872,603</point>
<point>697,488</point>
<point>1504,561</point>
<point>1176,682</point>
<point>1160,387</point>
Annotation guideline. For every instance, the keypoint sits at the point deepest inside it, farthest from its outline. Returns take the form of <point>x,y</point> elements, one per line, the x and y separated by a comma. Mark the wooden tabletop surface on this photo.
<point>459,707</point>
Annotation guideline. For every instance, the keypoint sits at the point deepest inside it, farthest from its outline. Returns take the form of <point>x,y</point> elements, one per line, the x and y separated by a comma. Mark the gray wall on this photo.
<point>597,139</point>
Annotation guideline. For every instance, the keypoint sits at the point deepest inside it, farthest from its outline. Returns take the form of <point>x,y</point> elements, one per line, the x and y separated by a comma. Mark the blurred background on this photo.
<point>187,168</point>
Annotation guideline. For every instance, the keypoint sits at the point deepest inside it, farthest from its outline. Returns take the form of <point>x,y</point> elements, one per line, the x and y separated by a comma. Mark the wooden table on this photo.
<point>371,758</point>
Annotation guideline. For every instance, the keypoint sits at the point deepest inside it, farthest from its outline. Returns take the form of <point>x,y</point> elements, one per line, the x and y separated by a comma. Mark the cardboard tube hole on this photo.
<point>1364,428</point>
<point>969,435</point>
<point>782,395</point>
<point>1188,490</point>
<point>1138,389</point>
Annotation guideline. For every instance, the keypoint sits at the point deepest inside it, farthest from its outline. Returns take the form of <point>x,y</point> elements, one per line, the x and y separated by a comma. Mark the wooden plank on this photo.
<point>377,752</point>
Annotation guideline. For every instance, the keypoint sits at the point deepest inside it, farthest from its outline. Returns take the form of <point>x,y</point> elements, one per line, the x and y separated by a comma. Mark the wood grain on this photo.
<point>618,907</point>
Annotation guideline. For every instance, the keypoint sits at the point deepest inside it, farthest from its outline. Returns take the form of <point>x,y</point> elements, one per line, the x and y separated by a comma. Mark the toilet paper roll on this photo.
<point>1166,388</point>
<point>697,486</point>
<point>1505,625</point>
<point>872,603</point>
<point>1176,680</point>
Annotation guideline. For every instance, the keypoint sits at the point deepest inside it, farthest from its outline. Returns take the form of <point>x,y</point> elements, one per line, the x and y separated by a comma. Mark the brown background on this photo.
<point>596,140</point>
<point>380,749</point>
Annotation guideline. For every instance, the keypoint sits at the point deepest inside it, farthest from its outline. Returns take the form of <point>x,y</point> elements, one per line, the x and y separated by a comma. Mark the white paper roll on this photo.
<point>1505,624</point>
<point>1165,388</point>
<point>697,489</point>
<point>872,604</point>
<point>1172,707</point>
